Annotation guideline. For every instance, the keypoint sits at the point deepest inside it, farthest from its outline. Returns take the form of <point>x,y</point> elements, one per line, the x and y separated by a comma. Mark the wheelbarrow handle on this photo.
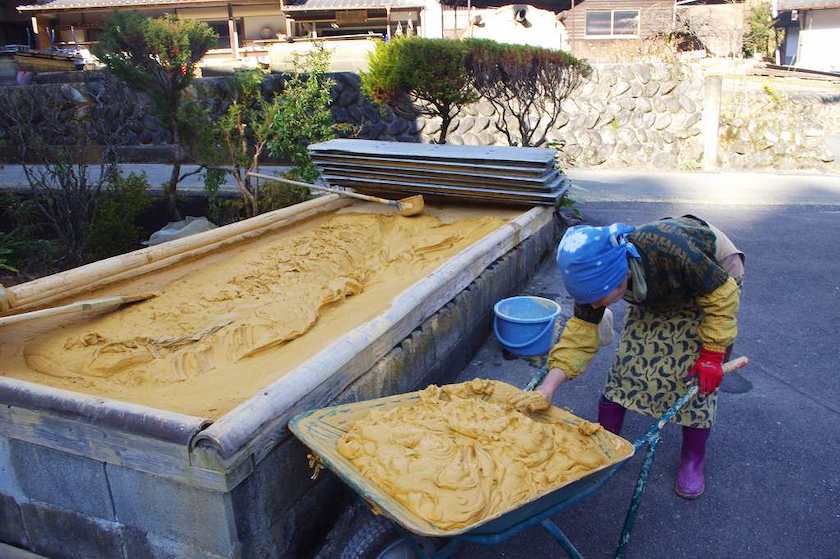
<point>728,367</point>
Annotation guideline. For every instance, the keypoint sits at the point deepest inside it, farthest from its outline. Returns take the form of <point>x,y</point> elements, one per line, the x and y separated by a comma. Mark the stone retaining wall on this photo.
<point>645,115</point>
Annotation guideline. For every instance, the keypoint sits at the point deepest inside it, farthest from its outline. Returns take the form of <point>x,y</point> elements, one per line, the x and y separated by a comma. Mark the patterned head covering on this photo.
<point>593,260</point>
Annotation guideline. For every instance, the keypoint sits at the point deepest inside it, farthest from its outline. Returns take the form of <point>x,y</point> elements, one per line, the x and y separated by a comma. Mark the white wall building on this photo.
<point>812,38</point>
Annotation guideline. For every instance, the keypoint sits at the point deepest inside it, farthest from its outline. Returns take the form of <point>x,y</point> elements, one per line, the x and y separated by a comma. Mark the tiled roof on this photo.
<point>52,5</point>
<point>313,5</point>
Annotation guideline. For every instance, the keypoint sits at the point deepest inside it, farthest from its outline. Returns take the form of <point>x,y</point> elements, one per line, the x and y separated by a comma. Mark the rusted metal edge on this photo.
<point>258,424</point>
<point>104,413</point>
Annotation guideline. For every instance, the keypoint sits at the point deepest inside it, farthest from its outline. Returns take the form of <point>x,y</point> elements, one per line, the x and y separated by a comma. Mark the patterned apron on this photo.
<point>657,348</point>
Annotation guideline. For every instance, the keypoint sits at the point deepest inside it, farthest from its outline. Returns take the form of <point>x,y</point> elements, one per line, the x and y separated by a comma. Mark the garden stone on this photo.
<point>587,89</point>
<point>626,103</point>
<point>620,88</point>
<point>673,105</point>
<point>813,132</point>
<point>686,104</point>
<point>642,72</point>
<point>562,120</point>
<point>644,105</point>
<point>582,138</point>
<point>591,120</point>
<point>626,73</point>
<point>663,160</point>
<point>636,90</point>
<point>650,89</point>
<point>667,87</point>
<point>484,108</point>
<point>481,123</point>
<point>609,77</point>
<point>608,135</point>
<point>623,118</point>
<point>465,125</point>
<point>454,140</point>
<point>662,121</point>
<point>627,136</point>
<point>601,92</point>
<point>771,137</point>
<point>486,138</point>
<point>471,140</point>
<point>348,97</point>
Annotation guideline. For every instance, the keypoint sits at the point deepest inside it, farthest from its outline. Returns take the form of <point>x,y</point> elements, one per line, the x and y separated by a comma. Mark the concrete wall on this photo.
<point>819,40</point>
<point>66,506</point>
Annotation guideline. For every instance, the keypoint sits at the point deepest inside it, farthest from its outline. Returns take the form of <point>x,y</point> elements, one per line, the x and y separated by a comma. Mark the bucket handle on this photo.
<point>523,344</point>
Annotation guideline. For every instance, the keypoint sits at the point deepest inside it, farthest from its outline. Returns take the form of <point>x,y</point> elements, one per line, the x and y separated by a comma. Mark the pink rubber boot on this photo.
<point>690,482</point>
<point>610,415</point>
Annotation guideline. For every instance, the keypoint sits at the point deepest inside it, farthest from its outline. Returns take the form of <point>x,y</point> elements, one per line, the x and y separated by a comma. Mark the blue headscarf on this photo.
<point>593,260</point>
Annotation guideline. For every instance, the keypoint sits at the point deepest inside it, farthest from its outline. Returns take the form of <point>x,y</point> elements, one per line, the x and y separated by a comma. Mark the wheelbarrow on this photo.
<point>398,534</point>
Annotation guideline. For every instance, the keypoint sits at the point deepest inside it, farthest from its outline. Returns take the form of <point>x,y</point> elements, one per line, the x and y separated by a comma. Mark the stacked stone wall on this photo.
<point>643,115</point>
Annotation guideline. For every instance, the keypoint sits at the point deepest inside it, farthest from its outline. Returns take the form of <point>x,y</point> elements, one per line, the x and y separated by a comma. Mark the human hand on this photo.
<point>529,402</point>
<point>708,369</point>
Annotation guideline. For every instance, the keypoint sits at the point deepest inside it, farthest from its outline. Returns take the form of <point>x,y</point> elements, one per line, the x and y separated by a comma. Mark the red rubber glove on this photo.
<point>708,369</point>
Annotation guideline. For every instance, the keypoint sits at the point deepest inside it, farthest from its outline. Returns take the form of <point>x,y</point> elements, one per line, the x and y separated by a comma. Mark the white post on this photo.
<point>712,87</point>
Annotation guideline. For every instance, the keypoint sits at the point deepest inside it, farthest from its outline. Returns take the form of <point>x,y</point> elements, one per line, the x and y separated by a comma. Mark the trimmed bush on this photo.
<point>414,75</point>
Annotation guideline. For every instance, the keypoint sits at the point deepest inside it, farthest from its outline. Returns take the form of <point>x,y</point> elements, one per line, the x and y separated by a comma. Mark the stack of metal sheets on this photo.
<point>508,175</point>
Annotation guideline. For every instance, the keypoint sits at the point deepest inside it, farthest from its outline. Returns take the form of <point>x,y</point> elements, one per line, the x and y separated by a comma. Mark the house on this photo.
<point>593,28</point>
<point>246,28</point>
<point>14,26</point>
<point>255,28</point>
<point>812,33</point>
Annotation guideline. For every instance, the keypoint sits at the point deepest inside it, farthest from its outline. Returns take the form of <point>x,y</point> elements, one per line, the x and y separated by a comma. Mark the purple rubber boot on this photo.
<point>690,482</point>
<point>610,415</point>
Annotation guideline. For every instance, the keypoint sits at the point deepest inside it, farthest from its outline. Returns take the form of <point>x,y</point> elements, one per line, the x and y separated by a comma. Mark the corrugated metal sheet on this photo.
<point>505,175</point>
<point>785,5</point>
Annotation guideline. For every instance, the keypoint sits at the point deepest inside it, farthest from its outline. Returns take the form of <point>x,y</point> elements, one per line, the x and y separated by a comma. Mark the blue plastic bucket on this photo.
<point>525,324</point>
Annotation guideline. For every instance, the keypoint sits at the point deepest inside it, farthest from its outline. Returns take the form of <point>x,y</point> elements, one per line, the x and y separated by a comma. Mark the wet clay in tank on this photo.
<point>218,333</point>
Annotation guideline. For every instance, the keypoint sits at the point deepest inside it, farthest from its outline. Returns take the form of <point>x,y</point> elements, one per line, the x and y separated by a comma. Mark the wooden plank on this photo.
<point>429,175</point>
<point>97,274</point>
<point>526,157</point>
<point>256,426</point>
<point>477,169</point>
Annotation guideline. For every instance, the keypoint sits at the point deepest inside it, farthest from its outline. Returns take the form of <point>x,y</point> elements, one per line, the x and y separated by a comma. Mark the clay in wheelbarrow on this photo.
<point>421,511</point>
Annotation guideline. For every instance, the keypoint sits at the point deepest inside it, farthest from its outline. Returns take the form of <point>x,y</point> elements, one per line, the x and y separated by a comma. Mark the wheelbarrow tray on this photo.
<point>320,430</point>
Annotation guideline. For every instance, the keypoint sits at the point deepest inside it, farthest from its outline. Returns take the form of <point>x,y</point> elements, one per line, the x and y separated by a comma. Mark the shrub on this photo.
<point>421,76</point>
<point>526,86</point>
<point>303,113</point>
<point>114,229</point>
<point>21,248</point>
<point>275,195</point>
<point>761,37</point>
<point>158,57</point>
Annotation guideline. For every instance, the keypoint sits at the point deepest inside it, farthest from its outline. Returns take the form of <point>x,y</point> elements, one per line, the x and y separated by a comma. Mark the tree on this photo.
<point>68,153</point>
<point>303,115</point>
<point>526,86</point>
<point>761,36</point>
<point>284,125</point>
<point>421,76</point>
<point>158,57</point>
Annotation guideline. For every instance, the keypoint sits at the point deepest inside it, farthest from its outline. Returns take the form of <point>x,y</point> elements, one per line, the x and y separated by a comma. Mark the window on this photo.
<point>612,23</point>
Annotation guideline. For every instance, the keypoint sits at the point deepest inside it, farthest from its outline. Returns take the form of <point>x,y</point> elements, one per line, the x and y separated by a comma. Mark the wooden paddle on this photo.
<point>413,205</point>
<point>104,304</point>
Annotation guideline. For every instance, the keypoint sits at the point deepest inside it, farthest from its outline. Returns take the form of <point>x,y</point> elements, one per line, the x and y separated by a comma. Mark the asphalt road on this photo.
<point>773,461</point>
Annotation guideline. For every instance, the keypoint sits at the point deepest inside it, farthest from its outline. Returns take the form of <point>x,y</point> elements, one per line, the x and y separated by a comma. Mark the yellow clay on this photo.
<point>463,453</point>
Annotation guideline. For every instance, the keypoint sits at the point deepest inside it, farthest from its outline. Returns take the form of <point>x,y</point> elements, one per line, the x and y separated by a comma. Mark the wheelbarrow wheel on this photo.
<point>378,538</point>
